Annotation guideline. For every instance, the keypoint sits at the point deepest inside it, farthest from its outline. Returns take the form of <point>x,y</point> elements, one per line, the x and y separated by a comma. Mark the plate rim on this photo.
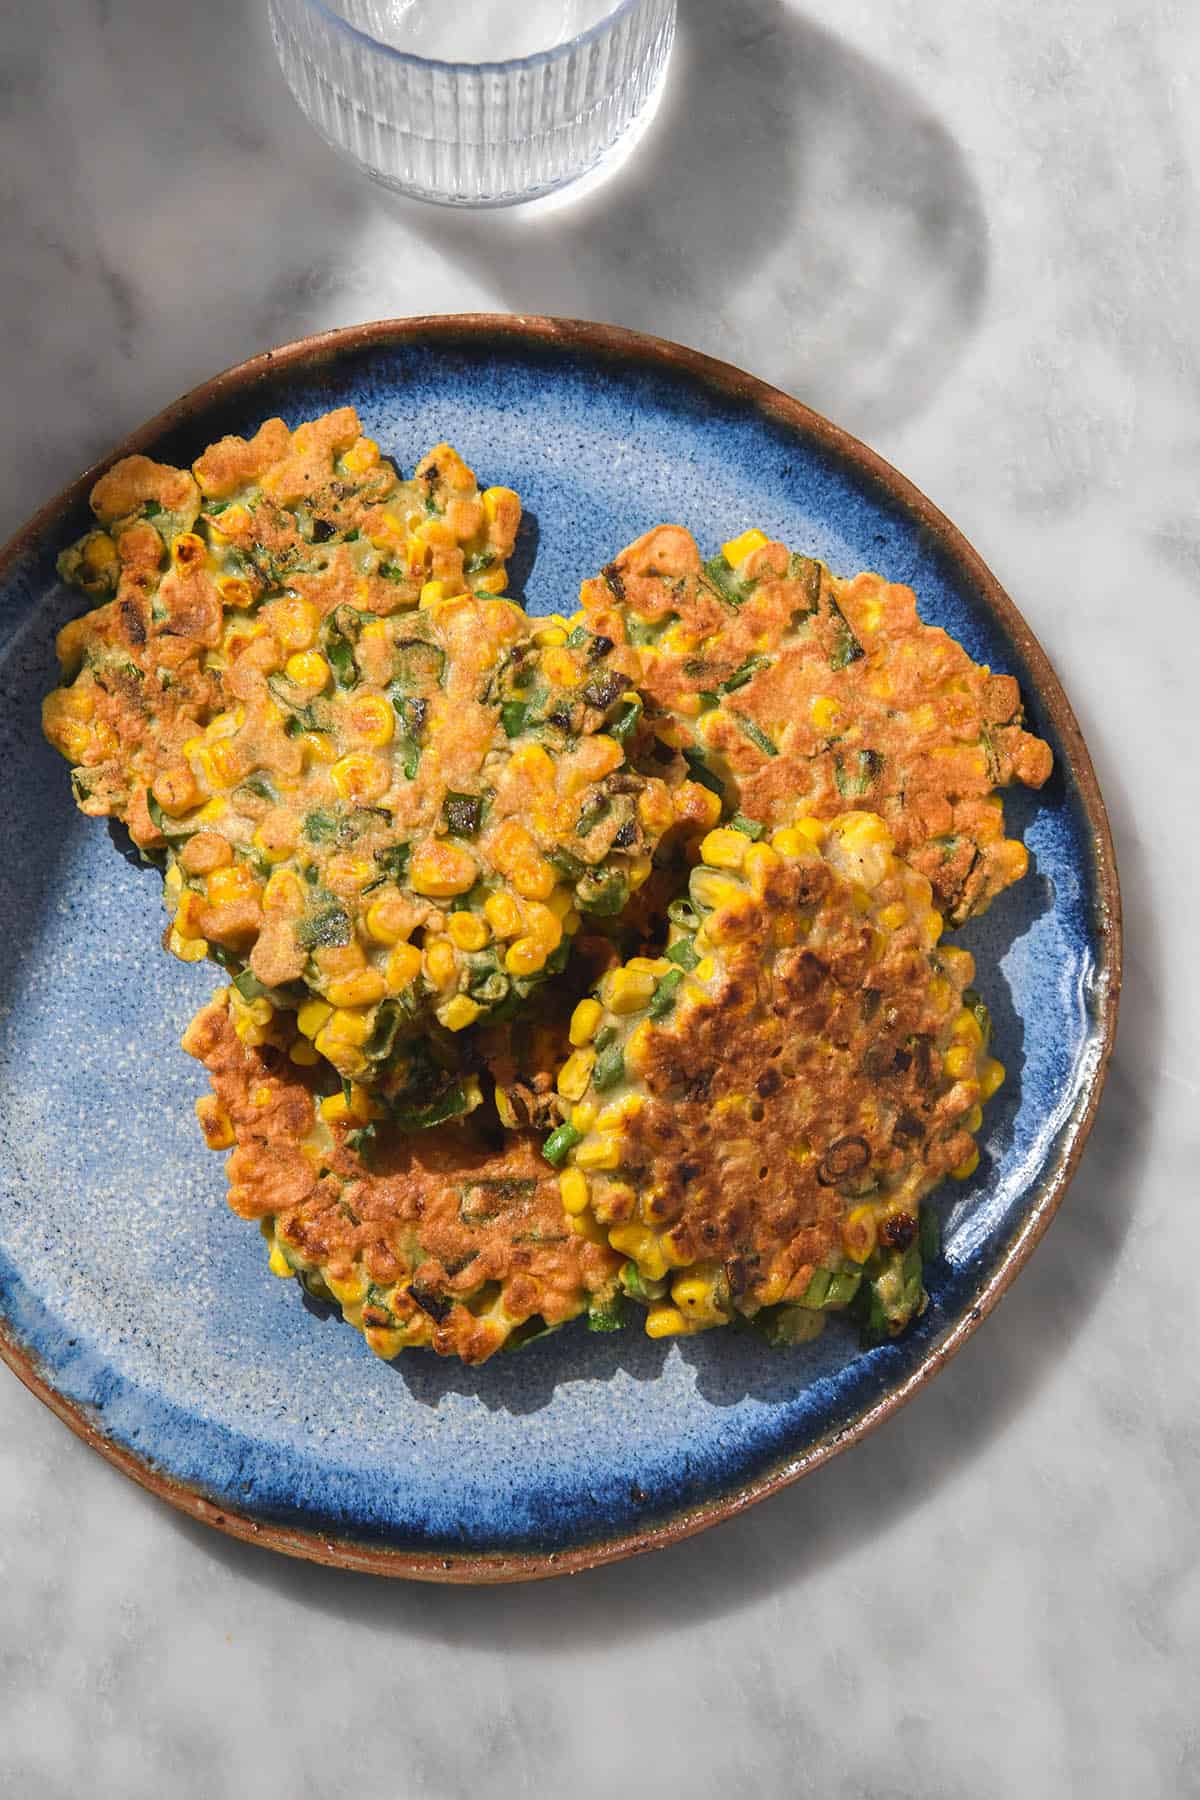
<point>615,341</point>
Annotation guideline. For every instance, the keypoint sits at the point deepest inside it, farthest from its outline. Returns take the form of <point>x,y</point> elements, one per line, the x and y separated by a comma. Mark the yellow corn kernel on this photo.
<point>371,719</point>
<point>308,671</point>
<point>695,1296</point>
<point>638,1047</point>
<point>261,1095</point>
<point>403,967</point>
<point>628,990</point>
<point>858,830</point>
<point>712,890</point>
<point>959,1061</point>
<point>100,553</point>
<point>231,885</point>
<point>585,1022</point>
<point>585,1226</point>
<point>313,1016</point>
<point>276,840</point>
<point>991,1079</point>
<point>361,456</point>
<point>283,893</point>
<point>601,1151</point>
<point>543,926</point>
<point>361,777</point>
<point>649,965</point>
<point>941,994</point>
<point>432,591</point>
<point>238,596</point>
<point>189,550</point>
<point>573,1190</point>
<point>317,747</point>
<point>724,849</point>
<point>739,548</point>
<point>550,636</point>
<point>441,870</point>
<point>466,930</point>
<point>825,714</point>
<point>363,989</point>
<point>346,873</point>
<point>295,622</point>
<point>215,1123</point>
<point>931,928</point>
<point>894,916</point>
<point>535,879</point>
<point>221,764</point>
<point>664,1321</point>
<point>575,1074</point>
<point>278,1263</point>
<point>760,860</point>
<point>967,1028</point>
<point>583,1116</point>
<point>335,1109</point>
<point>790,842</point>
<point>616,1112</point>
<point>859,1233</point>
<point>536,764</point>
<point>958,964</point>
<point>503,915</point>
<point>303,1053</point>
<point>390,919</point>
<point>968,1167</point>
<point>494,498</point>
<point>525,956</point>
<point>561,668</point>
<point>974,1119</point>
<point>458,1013</point>
<point>173,883</point>
<point>441,964</point>
<point>494,582</point>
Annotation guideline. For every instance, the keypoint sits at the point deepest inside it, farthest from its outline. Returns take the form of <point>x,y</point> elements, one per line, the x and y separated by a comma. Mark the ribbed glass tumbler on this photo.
<point>471,134</point>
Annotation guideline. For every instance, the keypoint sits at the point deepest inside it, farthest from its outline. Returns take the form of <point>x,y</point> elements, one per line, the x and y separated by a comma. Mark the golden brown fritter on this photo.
<point>765,1106</point>
<point>444,1238</point>
<point>798,691</point>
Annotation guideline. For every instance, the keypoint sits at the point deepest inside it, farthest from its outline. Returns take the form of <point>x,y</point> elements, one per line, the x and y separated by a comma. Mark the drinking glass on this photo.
<point>485,132</point>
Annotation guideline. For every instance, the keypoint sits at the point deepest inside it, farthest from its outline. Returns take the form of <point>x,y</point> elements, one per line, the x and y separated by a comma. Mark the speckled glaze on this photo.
<point>142,1311</point>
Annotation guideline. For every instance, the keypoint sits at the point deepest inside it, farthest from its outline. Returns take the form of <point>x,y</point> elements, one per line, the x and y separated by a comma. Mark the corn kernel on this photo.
<point>859,1233</point>
<point>525,956</point>
<point>561,668</point>
<point>575,1074</point>
<point>278,1263</point>
<point>496,497</point>
<point>361,456</point>
<point>724,849</point>
<point>335,1109</point>
<point>308,671</point>
<point>189,551</point>
<point>317,747</point>
<point>894,916</point>
<point>441,964</point>
<point>959,1061</point>
<point>390,919</point>
<point>967,1167</point>
<point>458,1013</point>
<point>992,1078</point>
<point>361,777</point>
<point>503,915</point>
<point>550,636</point>
<point>403,967</point>
<point>602,1151</point>
<point>583,1116</point>
<point>441,870</point>
<point>467,931</point>
<point>760,860</point>
<point>665,1321</point>
<point>628,990</point>
<point>585,1022</point>
<point>215,1123</point>
<point>294,622</point>
<point>739,548</point>
<point>825,714</point>
<point>232,885</point>
<point>303,1053</point>
<point>974,1119</point>
<point>370,719</point>
<point>573,1190</point>
<point>711,890</point>
<point>312,1016</point>
<point>362,989</point>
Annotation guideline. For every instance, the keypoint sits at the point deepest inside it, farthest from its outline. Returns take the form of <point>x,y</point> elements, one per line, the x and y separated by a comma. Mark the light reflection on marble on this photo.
<point>971,235</point>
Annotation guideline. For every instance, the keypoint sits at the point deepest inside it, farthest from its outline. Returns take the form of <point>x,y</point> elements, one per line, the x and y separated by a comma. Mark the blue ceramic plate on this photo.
<point>141,1309</point>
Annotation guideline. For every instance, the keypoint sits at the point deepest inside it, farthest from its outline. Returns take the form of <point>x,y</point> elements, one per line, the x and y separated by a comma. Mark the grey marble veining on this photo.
<point>970,234</point>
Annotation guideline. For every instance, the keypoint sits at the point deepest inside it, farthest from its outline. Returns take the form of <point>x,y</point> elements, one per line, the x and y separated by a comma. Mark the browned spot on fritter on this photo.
<point>457,1222</point>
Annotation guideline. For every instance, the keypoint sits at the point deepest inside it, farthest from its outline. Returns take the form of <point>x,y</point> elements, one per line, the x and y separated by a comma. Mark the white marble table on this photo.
<point>972,235</point>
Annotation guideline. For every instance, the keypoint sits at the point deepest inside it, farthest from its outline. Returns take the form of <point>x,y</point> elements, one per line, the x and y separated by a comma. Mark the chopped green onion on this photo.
<point>560,1143</point>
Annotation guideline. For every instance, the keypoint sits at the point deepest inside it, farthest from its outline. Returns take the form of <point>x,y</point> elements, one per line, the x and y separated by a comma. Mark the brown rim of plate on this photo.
<point>616,341</point>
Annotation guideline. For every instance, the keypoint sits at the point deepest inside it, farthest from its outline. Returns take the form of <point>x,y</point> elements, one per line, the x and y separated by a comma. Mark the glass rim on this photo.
<point>536,60</point>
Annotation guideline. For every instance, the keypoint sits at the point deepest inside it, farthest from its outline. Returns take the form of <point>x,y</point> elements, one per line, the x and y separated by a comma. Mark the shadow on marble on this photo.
<point>785,177</point>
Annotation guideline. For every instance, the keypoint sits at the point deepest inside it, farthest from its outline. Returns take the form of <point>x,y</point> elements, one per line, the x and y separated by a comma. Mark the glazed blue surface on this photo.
<point>143,1299</point>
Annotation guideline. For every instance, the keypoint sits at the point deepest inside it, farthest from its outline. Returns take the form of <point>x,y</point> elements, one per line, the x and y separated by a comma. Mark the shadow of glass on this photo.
<point>792,208</point>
